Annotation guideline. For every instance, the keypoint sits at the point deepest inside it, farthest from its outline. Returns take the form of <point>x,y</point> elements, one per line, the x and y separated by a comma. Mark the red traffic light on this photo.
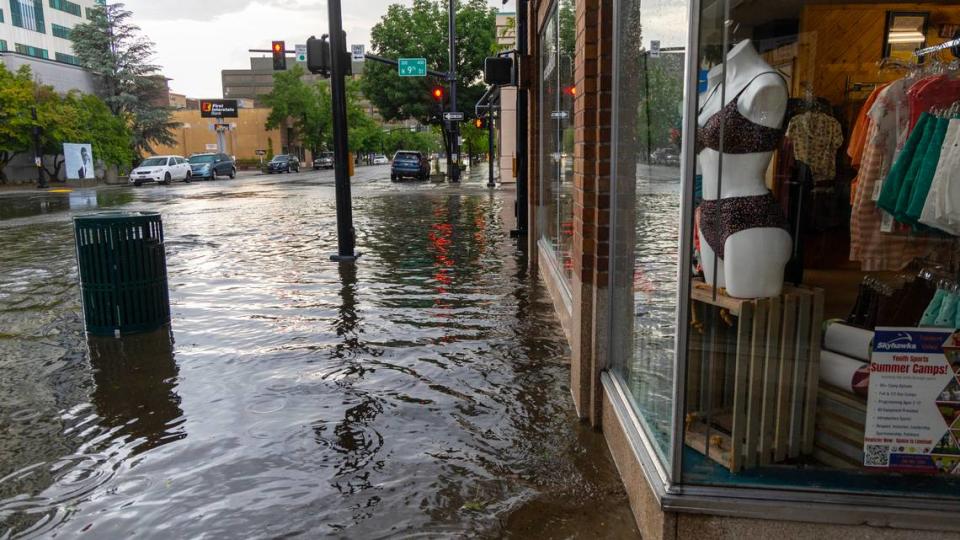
<point>570,90</point>
<point>279,49</point>
<point>437,93</point>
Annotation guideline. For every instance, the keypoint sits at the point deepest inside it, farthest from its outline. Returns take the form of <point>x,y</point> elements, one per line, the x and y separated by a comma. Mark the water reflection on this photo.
<point>135,389</point>
<point>422,391</point>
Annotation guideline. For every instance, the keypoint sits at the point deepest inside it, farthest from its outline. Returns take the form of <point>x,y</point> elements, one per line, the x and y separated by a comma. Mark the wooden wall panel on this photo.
<point>843,42</point>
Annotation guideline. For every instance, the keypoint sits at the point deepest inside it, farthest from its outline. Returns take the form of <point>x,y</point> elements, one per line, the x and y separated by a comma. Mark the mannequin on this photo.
<point>754,258</point>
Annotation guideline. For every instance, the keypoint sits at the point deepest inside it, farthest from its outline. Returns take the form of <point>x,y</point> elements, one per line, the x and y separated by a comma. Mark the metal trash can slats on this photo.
<point>123,272</point>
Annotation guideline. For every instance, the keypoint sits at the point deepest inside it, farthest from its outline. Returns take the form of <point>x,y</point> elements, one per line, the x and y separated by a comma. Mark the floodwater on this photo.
<point>420,393</point>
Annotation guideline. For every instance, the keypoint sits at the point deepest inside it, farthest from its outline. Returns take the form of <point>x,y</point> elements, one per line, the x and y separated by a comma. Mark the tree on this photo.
<point>111,47</point>
<point>310,106</point>
<point>421,31</point>
<point>16,123</point>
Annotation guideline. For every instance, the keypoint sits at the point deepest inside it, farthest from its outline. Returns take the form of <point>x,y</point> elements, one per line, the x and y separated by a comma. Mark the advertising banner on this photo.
<point>913,408</point>
<point>79,161</point>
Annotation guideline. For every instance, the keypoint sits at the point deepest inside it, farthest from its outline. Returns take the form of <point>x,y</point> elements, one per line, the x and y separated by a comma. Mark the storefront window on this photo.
<point>649,78</point>
<point>557,90</point>
<point>825,287</point>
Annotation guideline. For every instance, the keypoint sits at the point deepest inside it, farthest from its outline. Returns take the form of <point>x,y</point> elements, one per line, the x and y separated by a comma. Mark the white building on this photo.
<point>37,32</point>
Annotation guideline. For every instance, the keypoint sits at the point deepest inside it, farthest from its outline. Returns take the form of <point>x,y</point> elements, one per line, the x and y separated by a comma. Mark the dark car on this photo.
<point>212,166</point>
<point>283,164</point>
<point>409,164</point>
<point>324,161</point>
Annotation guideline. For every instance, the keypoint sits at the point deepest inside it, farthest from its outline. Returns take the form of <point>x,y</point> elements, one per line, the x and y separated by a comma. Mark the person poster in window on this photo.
<point>79,161</point>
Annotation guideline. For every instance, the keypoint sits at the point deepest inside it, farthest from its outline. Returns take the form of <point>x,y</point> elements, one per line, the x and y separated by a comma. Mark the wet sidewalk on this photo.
<point>421,393</point>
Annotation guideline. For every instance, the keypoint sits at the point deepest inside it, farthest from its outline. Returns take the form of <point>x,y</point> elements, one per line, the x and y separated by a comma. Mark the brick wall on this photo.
<point>591,190</point>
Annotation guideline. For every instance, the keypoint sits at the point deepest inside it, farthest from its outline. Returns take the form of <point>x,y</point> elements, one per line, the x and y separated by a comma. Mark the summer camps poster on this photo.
<point>913,409</point>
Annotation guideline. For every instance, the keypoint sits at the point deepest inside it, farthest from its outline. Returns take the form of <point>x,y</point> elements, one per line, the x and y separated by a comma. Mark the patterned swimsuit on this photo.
<point>730,132</point>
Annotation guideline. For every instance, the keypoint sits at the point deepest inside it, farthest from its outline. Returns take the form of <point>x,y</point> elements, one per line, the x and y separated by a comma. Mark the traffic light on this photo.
<point>480,123</point>
<point>279,49</point>
<point>437,93</point>
<point>318,55</point>
<point>570,90</point>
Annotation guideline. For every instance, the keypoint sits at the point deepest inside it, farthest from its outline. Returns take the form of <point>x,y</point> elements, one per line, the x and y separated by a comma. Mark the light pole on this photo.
<point>346,235</point>
<point>37,152</point>
<point>454,158</point>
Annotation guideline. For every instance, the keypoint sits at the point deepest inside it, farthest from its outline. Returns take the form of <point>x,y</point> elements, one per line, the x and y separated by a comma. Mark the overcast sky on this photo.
<point>195,39</point>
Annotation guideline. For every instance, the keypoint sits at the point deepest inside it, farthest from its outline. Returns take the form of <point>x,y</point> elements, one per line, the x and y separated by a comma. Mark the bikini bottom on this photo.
<point>722,218</point>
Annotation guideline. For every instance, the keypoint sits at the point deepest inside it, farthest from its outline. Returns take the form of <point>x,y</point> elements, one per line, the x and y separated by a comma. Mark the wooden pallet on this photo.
<point>753,376</point>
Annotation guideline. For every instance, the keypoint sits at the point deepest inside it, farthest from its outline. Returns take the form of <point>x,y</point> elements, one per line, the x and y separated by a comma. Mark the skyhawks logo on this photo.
<point>903,342</point>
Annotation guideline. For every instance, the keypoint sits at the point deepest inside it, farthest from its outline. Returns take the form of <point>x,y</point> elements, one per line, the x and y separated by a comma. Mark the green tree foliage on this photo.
<point>70,118</point>
<point>16,123</point>
<point>310,106</point>
<point>419,31</point>
<point>111,47</point>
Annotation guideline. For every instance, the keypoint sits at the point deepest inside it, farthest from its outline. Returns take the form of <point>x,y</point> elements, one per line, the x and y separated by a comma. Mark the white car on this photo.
<point>162,169</point>
<point>380,159</point>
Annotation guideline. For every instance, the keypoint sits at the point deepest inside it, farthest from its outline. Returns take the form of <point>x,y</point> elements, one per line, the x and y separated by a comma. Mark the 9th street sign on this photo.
<point>412,67</point>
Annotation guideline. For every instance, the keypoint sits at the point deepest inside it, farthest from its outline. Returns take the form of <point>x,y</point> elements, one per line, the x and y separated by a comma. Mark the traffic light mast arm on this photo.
<point>389,62</point>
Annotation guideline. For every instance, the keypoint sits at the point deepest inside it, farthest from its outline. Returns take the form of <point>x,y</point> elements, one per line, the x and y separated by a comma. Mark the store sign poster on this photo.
<point>913,409</point>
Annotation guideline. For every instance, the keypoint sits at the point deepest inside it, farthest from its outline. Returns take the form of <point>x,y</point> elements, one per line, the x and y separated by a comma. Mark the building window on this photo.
<point>3,45</point>
<point>650,50</point>
<point>67,59</point>
<point>1,16</point>
<point>60,31</point>
<point>557,91</point>
<point>66,6</point>
<point>28,14</point>
<point>29,50</point>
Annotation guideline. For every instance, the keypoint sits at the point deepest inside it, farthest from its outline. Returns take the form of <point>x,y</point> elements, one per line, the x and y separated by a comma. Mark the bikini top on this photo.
<point>741,135</point>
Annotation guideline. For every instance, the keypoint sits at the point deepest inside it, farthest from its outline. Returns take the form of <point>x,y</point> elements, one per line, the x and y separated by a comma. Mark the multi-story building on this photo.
<point>37,33</point>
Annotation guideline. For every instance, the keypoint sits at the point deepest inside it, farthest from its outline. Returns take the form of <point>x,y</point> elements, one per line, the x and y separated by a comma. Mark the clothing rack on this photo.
<point>937,48</point>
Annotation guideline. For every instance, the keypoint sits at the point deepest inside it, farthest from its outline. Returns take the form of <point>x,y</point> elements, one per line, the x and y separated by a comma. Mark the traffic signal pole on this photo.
<point>522,120</point>
<point>346,235</point>
<point>453,157</point>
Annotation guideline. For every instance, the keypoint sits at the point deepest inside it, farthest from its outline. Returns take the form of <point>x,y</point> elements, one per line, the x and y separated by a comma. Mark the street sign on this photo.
<point>453,116</point>
<point>218,108</point>
<point>560,115</point>
<point>260,152</point>
<point>301,52</point>
<point>210,146</point>
<point>412,67</point>
<point>358,53</point>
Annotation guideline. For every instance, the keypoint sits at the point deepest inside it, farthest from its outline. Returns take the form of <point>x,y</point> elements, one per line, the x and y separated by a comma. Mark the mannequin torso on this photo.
<point>754,258</point>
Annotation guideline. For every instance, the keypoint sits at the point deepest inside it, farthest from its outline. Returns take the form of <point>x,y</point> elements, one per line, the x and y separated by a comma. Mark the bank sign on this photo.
<point>913,409</point>
<point>218,108</point>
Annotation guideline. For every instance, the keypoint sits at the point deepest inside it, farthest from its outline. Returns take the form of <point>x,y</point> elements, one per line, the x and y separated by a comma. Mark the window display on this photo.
<point>825,249</point>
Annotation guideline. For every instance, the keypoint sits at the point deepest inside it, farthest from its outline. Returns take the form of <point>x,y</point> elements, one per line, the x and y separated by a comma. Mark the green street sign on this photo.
<point>412,67</point>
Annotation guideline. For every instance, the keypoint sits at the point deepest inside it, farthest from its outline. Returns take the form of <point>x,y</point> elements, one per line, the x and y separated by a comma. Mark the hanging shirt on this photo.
<point>874,249</point>
<point>938,91</point>
<point>858,137</point>
<point>936,208</point>
<point>928,167</point>
<point>816,138</point>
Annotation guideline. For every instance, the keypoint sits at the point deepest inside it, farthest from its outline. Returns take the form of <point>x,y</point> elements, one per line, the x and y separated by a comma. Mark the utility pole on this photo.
<point>453,157</point>
<point>37,152</point>
<point>490,181</point>
<point>521,68</point>
<point>346,235</point>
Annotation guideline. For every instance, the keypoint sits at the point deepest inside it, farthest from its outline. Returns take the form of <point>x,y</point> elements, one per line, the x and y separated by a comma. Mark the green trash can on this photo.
<point>123,272</point>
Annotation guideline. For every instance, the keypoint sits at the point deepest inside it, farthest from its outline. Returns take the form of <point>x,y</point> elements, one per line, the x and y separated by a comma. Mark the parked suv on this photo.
<point>162,169</point>
<point>283,163</point>
<point>323,161</point>
<point>410,164</point>
<point>212,166</point>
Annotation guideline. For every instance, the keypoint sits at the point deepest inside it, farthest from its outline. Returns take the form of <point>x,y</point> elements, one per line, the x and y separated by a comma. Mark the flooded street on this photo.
<point>421,393</point>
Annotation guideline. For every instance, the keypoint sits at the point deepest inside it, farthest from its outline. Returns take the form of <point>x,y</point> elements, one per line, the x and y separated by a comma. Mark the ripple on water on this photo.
<point>419,393</point>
